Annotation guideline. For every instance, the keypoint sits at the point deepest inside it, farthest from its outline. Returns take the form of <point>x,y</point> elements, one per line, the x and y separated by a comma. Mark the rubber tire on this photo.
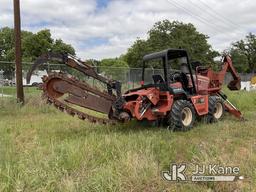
<point>174,118</point>
<point>213,100</point>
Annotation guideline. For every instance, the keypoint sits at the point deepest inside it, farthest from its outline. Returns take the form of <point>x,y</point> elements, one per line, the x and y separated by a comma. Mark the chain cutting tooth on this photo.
<point>81,117</point>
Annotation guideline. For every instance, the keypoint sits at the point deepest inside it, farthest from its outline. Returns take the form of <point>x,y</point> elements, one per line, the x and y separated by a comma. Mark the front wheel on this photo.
<point>216,109</point>
<point>181,116</point>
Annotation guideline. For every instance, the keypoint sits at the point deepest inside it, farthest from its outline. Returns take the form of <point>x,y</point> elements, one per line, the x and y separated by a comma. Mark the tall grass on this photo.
<point>42,149</point>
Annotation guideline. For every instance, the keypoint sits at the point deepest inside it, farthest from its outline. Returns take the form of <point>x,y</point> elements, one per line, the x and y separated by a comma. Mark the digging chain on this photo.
<point>64,107</point>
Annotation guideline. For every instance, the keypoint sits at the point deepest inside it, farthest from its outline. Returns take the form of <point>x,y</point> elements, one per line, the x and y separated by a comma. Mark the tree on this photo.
<point>239,60</point>
<point>166,34</point>
<point>243,53</point>
<point>114,68</point>
<point>7,49</point>
<point>33,45</point>
<point>59,47</point>
<point>41,42</point>
<point>136,52</point>
<point>36,44</point>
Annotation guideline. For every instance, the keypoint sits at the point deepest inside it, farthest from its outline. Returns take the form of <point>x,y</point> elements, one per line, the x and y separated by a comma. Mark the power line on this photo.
<point>214,15</point>
<point>218,14</point>
<point>197,17</point>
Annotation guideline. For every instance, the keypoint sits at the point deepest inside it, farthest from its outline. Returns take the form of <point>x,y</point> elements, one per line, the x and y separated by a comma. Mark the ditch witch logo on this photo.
<point>202,173</point>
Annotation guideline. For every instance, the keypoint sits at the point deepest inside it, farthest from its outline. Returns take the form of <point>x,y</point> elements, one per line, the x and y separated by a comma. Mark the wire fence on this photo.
<point>129,77</point>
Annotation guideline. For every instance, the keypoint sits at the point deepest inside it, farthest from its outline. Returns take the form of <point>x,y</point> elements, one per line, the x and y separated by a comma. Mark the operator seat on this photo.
<point>184,68</point>
<point>183,75</point>
<point>157,79</point>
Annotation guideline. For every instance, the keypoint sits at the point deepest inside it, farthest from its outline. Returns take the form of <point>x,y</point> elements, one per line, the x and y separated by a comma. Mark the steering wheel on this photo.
<point>175,76</point>
<point>180,77</point>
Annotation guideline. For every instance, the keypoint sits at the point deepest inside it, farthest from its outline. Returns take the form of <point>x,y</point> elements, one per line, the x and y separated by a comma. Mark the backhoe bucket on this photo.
<point>234,85</point>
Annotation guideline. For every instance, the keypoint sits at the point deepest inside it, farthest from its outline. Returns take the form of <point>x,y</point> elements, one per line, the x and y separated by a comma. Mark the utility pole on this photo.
<point>19,85</point>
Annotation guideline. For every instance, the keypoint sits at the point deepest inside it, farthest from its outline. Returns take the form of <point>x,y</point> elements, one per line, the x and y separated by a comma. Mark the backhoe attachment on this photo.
<point>216,80</point>
<point>228,66</point>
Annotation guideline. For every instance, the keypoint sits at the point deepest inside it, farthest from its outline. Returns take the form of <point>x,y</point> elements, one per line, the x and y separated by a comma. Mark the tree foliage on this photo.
<point>115,68</point>
<point>36,44</point>
<point>33,45</point>
<point>166,34</point>
<point>243,53</point>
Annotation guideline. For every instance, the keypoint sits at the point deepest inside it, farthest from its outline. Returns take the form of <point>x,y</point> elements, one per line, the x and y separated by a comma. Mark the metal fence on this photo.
<point>129,77</point>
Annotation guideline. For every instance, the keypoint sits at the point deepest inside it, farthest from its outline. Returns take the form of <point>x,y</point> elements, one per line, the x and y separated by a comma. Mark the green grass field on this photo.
<point>42,149</point>
<point>12,90</point>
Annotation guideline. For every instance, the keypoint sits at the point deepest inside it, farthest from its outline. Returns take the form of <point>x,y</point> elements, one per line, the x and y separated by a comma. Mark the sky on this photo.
<point>107,28</point>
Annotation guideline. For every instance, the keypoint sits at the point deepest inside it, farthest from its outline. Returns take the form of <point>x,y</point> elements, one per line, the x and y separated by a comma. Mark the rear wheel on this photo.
<point>181,116</point>
<point>216,109</point>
